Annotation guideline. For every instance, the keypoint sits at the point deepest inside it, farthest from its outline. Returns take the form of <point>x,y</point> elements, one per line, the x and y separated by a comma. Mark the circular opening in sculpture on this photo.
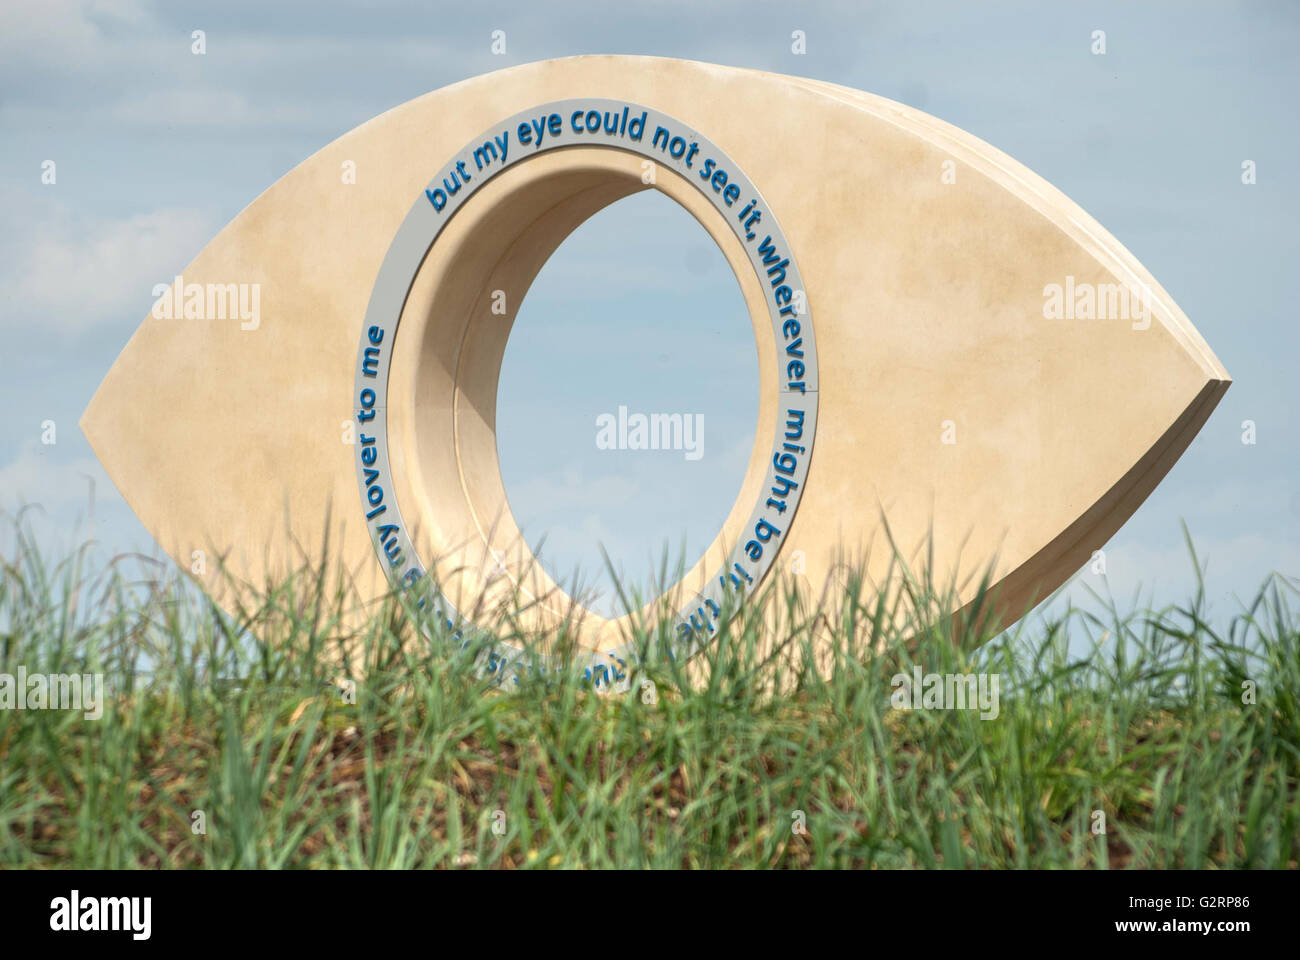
<point>627,404</point>
<point>445,376</point>
<point>460,264</point>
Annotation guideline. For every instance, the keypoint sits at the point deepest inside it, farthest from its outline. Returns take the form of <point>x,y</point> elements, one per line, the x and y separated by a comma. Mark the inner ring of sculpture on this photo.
<point>426,399</point>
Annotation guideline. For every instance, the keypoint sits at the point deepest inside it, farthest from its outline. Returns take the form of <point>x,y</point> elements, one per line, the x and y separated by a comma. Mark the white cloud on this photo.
<point>65,505</point>
<point>65,32</point>
<point>72,271</point>
<point>115,65</point>
<point>1139,572</point>
<point>179,107</point>
<point>35,477</point>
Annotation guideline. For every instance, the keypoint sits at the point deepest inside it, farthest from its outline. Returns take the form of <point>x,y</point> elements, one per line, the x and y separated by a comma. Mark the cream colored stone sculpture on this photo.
<point>945,342</point>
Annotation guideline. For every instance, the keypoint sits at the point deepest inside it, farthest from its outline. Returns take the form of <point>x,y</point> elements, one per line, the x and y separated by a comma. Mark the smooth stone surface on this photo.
<point>928,299</point>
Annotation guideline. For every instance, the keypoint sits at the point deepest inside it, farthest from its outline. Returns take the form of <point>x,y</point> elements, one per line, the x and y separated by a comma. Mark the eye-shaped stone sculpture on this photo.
<point>946,344</point>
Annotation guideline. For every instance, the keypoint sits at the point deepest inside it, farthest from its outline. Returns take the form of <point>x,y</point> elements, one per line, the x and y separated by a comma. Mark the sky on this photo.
<point>156,148</point>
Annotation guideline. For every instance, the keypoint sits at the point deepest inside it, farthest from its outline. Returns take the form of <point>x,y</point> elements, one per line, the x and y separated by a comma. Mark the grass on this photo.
<point>242,720</point>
